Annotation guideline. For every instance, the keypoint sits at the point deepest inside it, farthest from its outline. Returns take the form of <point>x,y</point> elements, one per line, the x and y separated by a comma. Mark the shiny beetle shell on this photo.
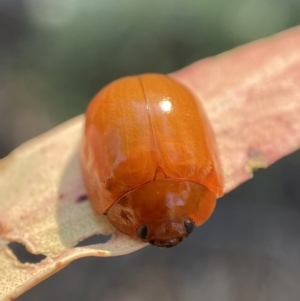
<point>149,159</point>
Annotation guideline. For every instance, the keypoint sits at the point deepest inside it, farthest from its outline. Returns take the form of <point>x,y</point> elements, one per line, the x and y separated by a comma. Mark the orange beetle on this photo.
<point>149,159</point>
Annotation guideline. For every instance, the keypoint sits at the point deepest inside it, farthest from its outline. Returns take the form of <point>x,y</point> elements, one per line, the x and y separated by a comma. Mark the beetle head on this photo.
<point>162,212</point>
<point>166,233</point>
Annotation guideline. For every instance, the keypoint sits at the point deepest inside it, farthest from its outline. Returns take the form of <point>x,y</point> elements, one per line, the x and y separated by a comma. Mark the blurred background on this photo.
<point>55,55</point>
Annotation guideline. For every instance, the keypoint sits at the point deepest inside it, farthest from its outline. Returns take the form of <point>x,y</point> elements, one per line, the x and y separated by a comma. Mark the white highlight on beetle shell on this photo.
<point>166,105</point>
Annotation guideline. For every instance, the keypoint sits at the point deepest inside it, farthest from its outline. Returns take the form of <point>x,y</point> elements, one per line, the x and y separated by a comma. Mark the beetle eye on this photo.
<point>142,231</point>
<point>189,226</point>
